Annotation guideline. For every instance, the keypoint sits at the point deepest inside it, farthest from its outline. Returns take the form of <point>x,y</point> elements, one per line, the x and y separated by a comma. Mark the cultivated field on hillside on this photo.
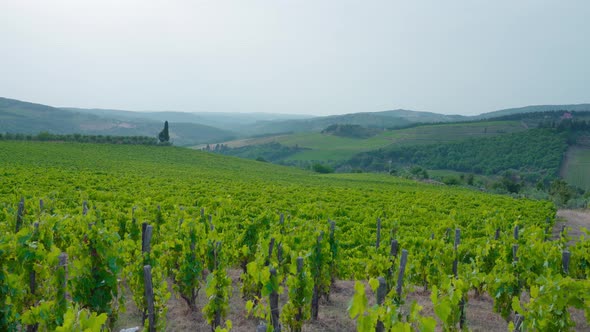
<point>576,168</point>
<point>188,220</point>
<point>323,147</point>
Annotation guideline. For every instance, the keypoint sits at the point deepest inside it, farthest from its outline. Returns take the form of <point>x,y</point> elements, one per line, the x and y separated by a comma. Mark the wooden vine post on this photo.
<point>63,264</point>
<point>280,245</point>
<point>518,318</point>
<point>274,303</point>
<point>33,277</point>
<point>62,277</point>
<point>381,293</point>
<point>149,296</point>
<point>216,265</point>
<point>565,261</point>
<point>456,273</point>
<point>146,238</point>
<point>315,299</point>
<point>402,271</point>
<point>271,246</point>
<point>299,314</point>
<point>393,251</point>
<point>333,258</point>
<point>211,226</point>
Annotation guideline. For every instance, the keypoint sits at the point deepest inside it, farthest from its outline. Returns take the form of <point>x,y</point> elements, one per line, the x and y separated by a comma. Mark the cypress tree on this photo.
<point>164,136</point>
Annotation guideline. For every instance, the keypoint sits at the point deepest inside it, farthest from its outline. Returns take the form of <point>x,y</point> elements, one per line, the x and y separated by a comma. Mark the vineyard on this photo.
<point>82,225</point>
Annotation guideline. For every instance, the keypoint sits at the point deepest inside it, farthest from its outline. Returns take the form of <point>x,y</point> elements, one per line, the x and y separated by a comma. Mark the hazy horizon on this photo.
<point>285,114</point>
<point>301,58</point>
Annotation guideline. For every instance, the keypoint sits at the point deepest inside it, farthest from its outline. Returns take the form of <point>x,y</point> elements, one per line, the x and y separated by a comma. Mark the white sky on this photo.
<point>298,56</point>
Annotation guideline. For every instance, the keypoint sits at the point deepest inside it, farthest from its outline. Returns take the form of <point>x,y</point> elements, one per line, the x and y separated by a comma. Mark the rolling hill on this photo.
<point>30,118</point>
<point>240,123</point>
<point>387,119</point>
<point>534,109</point>
<point>395,119</point>
<point>330,148</point>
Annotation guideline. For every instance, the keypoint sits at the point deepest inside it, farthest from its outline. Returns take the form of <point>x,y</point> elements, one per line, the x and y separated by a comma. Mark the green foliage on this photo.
<point>390,313</point>
<point>539,151</point>
<point>95,269</point>
<point>218,291</point>
<point>244,199</point>
<point>576,166</point>
<point>188,262</point>
<point>298,309</point>
<point>8,287</point>
<point>324,169</point>
<point>320,259</point>
<point>451,181</point>
<point>418,172</point>
<point>509,182</point>
<point>446,300</point>
<point>561,192</point>
<point>101,139</point>
<point>272,151</point>
<point>350,130</point>
<point>82,320</point>
<point>550,298</point>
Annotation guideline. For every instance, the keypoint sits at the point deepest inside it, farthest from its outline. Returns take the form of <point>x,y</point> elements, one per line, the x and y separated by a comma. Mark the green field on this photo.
<point>334,148</point>
<point>213,216</point>
<point>576,169</point>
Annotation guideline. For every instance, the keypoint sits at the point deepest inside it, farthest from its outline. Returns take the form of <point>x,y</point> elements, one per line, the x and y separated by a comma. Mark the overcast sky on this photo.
<point>299,56</point>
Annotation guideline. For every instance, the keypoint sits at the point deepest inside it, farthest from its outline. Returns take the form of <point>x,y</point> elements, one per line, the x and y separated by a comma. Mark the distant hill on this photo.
<point>240,123</point>
<point>330,148</point>
<point>204,127</point>
<point>534,109</point>
<point>29,118</point>
<point>534,151</point>
<point>393,119</point>
<point>386,119</point>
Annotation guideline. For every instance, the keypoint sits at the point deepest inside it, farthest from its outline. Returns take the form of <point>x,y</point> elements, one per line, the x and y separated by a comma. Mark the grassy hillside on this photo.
<point>326,147</point>
<point>536,151</point>
<point>178,176</point>
<point>576,169</point>
<point>29,118</point>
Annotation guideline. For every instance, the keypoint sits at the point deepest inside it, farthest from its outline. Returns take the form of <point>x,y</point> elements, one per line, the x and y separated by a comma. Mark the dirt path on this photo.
<point>574,219</point>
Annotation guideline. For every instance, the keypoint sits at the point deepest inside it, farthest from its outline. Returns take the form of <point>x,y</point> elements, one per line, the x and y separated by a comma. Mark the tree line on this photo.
<point>81,138</point>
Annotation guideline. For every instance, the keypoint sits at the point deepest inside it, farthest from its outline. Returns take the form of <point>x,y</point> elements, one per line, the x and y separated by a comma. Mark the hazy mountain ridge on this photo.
<point>191,128</point>
<point>237,122</point>
<point>386,119</point>
<point>30,118</point>
<point>533,109</point>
